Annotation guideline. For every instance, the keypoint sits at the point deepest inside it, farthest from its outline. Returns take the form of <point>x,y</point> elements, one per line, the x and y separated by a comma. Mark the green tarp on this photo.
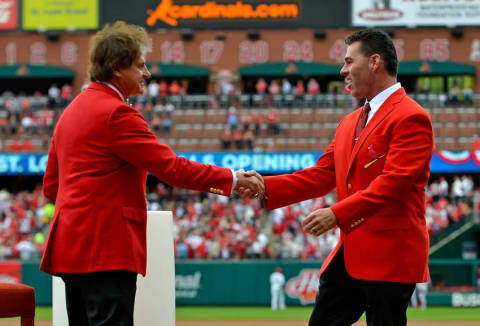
<point>280,69</point>
<point>165,70</point>
<point>435,68</point>
<point>34,71</point>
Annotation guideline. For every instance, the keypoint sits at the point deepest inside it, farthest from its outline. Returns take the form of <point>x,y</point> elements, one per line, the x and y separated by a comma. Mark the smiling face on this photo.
<point>358,71</point>
<point>132,80</point>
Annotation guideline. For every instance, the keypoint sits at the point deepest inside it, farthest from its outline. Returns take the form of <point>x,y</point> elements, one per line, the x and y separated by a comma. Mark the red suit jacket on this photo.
<point>380,188</point>
<point>96,173</point>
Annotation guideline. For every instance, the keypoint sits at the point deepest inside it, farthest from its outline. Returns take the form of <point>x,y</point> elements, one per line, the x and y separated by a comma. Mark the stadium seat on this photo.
<point>18,300</point>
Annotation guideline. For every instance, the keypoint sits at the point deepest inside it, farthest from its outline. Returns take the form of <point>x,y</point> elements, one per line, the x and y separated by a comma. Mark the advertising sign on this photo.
<point>171,13</point>
<point>60,14</point>
<point>8,14</point>
<point>227,14</point>
<point>264,163</point>
<point>415,12</point>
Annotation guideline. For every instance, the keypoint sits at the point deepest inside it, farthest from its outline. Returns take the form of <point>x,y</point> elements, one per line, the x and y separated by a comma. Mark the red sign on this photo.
<point>8,14</point>
<point>11,272</point>
<point>304,286</point>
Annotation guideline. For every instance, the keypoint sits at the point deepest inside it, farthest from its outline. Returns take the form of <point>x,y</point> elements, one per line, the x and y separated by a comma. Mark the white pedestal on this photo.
<point>155,299</point>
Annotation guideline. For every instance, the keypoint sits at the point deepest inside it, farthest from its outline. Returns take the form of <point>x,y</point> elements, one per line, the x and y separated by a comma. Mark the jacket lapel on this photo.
<point>386,108</point>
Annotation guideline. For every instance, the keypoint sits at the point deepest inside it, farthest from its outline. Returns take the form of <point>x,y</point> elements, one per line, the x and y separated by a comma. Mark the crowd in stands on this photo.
<point>27,121</point>
<point>449,203</point>
<point>241,130</point>
<point>208,226</point>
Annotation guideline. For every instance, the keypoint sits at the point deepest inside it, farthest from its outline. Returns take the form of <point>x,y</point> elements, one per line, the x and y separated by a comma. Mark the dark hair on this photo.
<point>116,46</point>
<point>374,41</point>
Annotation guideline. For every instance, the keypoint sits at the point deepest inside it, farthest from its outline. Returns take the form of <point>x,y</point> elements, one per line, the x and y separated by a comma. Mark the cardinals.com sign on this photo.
<point>415,12</point>
<point>8,14</point>
<point>304,286</point>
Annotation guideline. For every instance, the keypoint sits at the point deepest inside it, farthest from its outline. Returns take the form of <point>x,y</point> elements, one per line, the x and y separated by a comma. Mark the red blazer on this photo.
<point>96,173</point>
<point>380,188</point>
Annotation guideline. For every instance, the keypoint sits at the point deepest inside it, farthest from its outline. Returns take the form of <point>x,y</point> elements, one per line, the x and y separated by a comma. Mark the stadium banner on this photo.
<point>415,13</point>
<point>60,15</point>
<point>228,14</point>
<point>219,283</point>
<point>8,14</point>
<point>264,163</point>
<point>247,282</point>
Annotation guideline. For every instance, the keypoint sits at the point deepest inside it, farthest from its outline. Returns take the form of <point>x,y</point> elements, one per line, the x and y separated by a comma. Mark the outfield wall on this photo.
<point>246,282</point>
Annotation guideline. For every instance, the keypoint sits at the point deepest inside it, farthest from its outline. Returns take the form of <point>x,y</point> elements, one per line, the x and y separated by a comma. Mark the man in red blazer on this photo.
<point>379,174</point>
<point>101,151</point>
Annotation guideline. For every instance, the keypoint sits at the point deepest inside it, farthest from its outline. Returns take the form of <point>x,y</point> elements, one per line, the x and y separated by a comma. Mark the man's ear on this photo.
<point>375,62</point>
<point>116,72</point>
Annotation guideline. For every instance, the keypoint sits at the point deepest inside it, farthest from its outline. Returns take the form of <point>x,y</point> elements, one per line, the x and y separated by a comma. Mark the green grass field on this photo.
<point>293,313</point>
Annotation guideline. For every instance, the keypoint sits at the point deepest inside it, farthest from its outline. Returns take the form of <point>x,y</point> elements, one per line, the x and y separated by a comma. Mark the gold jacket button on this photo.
<point>349,186</point>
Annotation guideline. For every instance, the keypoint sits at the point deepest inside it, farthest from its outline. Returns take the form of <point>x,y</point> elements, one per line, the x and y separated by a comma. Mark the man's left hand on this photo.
<point>319,221</point>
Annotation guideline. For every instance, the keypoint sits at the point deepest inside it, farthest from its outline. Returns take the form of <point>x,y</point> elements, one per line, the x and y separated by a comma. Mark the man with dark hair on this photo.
<point>96,174</point>
<point>379,163</point>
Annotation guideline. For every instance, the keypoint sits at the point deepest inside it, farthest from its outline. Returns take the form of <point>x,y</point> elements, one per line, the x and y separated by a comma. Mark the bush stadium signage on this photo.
<point>187,286</point>
<point>465,299</point>
<point>303,286</point>
<point>228,14</point>
<point>170,12</point>
<point>264,163</point>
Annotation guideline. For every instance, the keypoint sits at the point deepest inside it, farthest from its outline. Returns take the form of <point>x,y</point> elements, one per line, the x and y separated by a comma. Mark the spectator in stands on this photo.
<point>174,88</point>
<point>65,95</point>
<point>166,119</point>
<point>227,138</point>
<point>237,138</point>
<point>232,118</point>
<point>312,87</point>
<point>227,88</point>
<point>300,88</point>
<point>454,92</point>
<point>286,87</point>
<point>367,192</point>
<point>246,119</point>
<point>272,124</point>
<point>184,87</point>
<point>96,172</point>
<point>257,123</point>
<point>249,139</point>
<point>467,93</point>
<point>153,91</point>
<point>261,86</point>
<point>53,96</point>
<point>274,87</point>
<point>163,88</point>
<point>458,192</point>
<point>443,187</point>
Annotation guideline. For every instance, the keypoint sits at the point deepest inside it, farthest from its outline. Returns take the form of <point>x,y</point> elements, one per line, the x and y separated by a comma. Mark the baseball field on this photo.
<point>292,316</point>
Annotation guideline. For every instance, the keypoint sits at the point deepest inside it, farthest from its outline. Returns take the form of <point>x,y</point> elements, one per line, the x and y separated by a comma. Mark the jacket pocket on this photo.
<point>385,223</point>
<point>134,214</point>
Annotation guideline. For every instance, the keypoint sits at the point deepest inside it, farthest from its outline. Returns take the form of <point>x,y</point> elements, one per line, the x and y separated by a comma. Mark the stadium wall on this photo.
<point>246,282</point>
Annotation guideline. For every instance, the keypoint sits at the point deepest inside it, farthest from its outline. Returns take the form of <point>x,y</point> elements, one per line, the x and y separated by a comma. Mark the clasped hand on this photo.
<point>249,184</point>
<point>319,221</point>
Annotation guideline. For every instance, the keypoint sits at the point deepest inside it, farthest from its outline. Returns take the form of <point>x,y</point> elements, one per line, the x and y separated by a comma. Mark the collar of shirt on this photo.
<point>115,89</point>
<point>380,98</point>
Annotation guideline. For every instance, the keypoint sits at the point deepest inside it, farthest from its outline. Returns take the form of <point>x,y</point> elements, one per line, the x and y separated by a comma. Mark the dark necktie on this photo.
<point>362,121</point>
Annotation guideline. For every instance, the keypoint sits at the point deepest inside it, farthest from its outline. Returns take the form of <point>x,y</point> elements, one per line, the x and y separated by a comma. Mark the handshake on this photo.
<point>249,184</point>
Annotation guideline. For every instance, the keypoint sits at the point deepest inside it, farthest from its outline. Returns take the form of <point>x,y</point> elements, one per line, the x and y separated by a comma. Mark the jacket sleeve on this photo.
<point>309,183</point>
<point>131,139</point>
<point>409,154</point>
<point>50,179</point>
